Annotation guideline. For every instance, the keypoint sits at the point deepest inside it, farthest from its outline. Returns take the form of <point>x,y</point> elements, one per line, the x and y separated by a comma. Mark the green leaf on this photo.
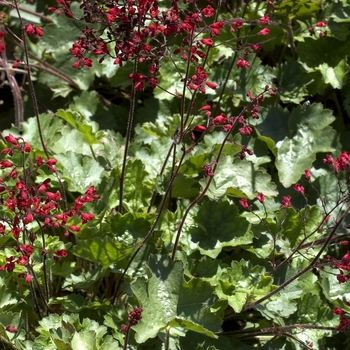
<point>309,133</point>
<point>80,172</point>
<point>292,86</point>
<point>137,186</point>
<point>218,225</point>
<point>240,178</point>
<point>297,8</point>
<point>191,326</point>
<point>6,296</point>
<point>195,301</point>
<point>159,296</point>
<point>333,67</point>
<point>74,120</point>
<point>105,251</point>
<point>242,283</point>
<point>84,340</point>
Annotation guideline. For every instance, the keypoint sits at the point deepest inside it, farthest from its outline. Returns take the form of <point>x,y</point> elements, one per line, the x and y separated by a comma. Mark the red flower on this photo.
<point>5,164</point>
<point>245,130</point>
<point>286,202</point>
<point>30,29</point>
<point>321,24</point>
<point>260,197</point>
<point>211,85</point>
<point>244,203</point>
<point>220,119</point>
<point>11,139</point>
<point>299,188</point>
<point>265,19</point>
<point>264,31</point>
<point>307,174</point>
<point>85,217</point>
<point>22,260</point>
<point>39,31</point>
<point>11,329</point>
<point>207,42</point>
<point>29,278</point>
<point>338,311</point>
<point>208,11</point>
<point>238,24</point>
<point>241,63</point>
<point>256,47</point>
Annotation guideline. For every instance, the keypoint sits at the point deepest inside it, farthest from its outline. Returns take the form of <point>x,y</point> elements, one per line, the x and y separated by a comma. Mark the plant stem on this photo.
<point>127,139</point>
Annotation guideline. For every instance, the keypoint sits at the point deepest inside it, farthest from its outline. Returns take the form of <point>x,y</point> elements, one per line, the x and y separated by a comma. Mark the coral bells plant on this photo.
<point>175,178</point>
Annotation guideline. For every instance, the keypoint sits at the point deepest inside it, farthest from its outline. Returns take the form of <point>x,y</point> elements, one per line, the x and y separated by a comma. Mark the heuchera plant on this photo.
<point>214,216</point>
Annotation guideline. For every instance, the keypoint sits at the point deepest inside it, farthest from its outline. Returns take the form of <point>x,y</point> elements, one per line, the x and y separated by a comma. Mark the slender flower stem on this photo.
<point>127,139</point>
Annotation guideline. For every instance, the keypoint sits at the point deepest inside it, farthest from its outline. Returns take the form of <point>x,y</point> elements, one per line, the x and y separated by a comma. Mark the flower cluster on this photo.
<point>134,317</point>
<point>341,163</point>
<point>344,324</point>
<point>29,208</point>
<point>343,266</point>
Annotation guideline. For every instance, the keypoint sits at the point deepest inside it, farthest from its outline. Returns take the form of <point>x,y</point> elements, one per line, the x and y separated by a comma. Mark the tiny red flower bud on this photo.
<point>11,329</point>
<point>265,20</point>
<point>39,31</point>
<point>244,203</point>
<point>30,29</point>
<point>338,311</point>
<point>241,63</point>
<point>22,260</point>
<point>207,42</point>
<point>5,164</point>
<point>260,197</point>
<point>11,139</point>
<point>51,161</point>
<point>286,202</point>
<point>29,278</point>
<point>299,188</point>
<point>307,174</point>
<point>75,228</point>
<point>264,31</point>
<point>27,147</point>
<point>211,85</point>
